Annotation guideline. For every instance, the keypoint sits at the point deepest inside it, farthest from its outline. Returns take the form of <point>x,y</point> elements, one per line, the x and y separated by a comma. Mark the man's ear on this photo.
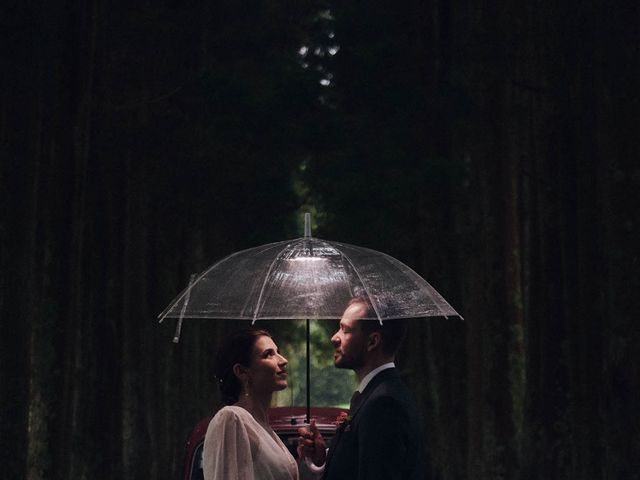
<point>375,339</point>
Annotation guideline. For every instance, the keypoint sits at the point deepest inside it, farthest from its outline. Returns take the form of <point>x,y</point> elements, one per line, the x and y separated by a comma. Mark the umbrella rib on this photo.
<point>270,246</point>
<point>187,290</point>
<point>264,283</point>
<point>392,261</point>
<point>346,257</point>
<point>433,293</point>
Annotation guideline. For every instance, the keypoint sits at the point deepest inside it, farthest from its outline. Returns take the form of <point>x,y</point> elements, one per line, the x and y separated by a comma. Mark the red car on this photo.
<point>285,421</point>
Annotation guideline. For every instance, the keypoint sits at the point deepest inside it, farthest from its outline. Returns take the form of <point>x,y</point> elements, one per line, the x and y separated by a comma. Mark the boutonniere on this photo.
<point>343,421</point>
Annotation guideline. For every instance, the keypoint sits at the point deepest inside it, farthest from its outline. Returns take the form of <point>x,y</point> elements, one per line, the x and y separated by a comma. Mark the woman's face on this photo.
<point>268,370</point>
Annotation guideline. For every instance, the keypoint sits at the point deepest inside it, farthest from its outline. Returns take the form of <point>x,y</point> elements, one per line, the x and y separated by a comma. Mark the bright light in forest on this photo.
<point>315,54</point>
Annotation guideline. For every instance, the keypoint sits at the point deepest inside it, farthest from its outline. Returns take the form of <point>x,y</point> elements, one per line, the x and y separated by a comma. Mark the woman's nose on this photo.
<point>283,360</point>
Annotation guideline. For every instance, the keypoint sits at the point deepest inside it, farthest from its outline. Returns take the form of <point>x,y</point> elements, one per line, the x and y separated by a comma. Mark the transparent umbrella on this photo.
<point>306,278</point>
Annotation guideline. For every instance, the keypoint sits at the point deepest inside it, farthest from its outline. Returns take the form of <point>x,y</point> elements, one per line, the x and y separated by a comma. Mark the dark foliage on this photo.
<point>492,147</point>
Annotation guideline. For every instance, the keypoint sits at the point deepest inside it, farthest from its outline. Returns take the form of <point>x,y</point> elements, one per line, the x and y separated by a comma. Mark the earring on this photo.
<point>246,388</point>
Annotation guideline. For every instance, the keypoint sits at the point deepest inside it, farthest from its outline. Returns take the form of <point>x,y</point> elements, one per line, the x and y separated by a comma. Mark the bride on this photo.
<point>239,443</point>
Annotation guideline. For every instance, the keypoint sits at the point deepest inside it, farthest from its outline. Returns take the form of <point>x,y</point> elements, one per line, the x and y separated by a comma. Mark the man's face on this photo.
<point>349,341</point>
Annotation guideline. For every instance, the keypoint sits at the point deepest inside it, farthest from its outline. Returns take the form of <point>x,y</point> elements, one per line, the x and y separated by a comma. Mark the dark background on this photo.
<point>492,146</point>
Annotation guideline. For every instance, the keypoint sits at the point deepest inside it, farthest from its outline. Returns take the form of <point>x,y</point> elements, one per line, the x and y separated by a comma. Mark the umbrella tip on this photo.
<point>307,225</point>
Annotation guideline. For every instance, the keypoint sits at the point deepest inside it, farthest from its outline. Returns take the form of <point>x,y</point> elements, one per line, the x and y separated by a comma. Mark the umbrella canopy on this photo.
<point>307,278</point>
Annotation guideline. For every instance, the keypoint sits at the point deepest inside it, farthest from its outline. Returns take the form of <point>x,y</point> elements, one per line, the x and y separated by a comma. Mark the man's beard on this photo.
<point>352,362</point>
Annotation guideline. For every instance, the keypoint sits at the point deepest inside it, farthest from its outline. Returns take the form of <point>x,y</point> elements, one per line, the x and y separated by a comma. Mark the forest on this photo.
<point>493,147</point>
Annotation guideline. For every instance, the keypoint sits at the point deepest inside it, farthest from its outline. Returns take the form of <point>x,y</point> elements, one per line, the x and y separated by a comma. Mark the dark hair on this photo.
<point>392,331</point>
<point>237,348</point>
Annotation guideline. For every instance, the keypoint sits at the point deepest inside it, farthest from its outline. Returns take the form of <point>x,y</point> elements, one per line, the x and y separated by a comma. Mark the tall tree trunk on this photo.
<point>76,331</point>
<point>514,298</point>
<point>38,443</point>
<point>16,228</point>
<point>130,419</point>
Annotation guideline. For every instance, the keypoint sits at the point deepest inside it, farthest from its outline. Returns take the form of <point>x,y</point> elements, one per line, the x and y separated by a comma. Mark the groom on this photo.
<point>380,438</point>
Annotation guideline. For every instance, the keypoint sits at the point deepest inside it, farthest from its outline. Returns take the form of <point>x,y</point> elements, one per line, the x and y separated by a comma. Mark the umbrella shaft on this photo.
<point>308,419</point>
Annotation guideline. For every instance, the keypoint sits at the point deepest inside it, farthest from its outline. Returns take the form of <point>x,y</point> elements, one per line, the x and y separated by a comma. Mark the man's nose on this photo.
<point>335,340</point>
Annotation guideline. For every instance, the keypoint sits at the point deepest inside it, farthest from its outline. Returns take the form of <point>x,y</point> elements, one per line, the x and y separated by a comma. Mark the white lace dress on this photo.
<point>237,447</point>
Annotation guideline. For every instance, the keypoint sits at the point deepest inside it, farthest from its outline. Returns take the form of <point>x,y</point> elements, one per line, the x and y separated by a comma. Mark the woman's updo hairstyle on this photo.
<point>237,348</point>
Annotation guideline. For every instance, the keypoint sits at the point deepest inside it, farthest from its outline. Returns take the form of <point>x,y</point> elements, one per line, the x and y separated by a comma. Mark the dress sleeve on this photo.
<point>227,451</point>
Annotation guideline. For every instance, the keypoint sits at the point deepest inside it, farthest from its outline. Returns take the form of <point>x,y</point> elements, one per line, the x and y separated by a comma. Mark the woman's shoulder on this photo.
<point>231,420</point>
<point>231,412</point>
<point>227,429</point>
<point>227,419</point>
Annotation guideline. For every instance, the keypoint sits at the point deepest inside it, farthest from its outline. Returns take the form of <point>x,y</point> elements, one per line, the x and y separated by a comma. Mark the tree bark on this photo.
<point>76,329</point>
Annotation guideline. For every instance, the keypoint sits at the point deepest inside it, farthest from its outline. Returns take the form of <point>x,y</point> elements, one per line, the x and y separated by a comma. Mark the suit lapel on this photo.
<point>373,384</point>
<point>357,404</point>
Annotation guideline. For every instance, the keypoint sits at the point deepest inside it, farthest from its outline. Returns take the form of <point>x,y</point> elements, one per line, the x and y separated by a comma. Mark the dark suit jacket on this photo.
<point>382,440</point>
